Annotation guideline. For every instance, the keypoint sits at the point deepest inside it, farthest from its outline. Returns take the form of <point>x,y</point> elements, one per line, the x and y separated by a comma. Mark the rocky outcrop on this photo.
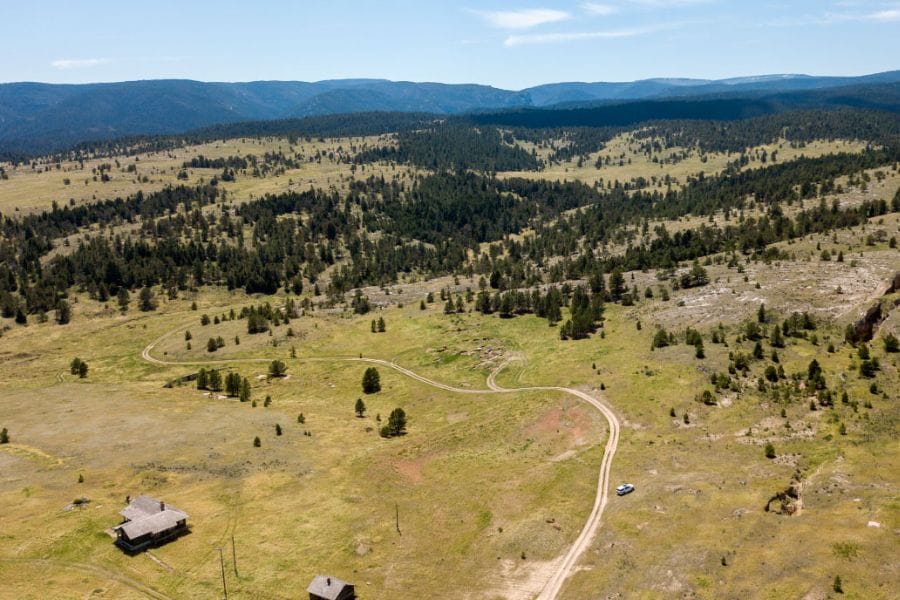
<point>789,501</point>
<point>864,329</point>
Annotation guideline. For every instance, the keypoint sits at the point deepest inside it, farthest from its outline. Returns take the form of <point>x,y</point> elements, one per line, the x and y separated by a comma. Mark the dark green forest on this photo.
<point>438,222</point>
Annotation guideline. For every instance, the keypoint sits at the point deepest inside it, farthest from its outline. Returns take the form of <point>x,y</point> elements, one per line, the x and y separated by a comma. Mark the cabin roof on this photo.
<point>320,587</point>
<point>143,506</point>
<point>157,523</point>
<point>148,515</point>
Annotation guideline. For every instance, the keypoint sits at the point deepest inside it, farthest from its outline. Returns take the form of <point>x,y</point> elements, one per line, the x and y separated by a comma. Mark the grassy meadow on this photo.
<point>490,488</point>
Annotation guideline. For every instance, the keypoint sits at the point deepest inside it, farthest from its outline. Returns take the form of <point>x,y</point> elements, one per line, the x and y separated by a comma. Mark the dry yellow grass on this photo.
<point>636,164</point>
<point>36,189</point>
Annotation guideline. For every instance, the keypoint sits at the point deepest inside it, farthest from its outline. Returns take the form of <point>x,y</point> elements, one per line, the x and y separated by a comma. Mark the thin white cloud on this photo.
<point>888,14</point>
<point>555,38</point>
<point>78,63</point>
<point>522,19</point>
<point>600,10</point>
<point>883,16</point>
<point>668,3</point>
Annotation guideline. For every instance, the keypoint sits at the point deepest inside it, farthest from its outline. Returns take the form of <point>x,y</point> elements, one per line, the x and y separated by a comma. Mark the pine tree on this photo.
<point>360,408</point>
<point>202,380</point>
<point>4,436</point>
<point>396,424</point>
<point>215,381</point>
<point>777,340</point>
<point>123,298</point>
<point>63,312</point>
<point>257,442</point>
<point>371,381</point>
<point>616,285</point>
<point>277,369</point>
<point>277,429</point>
<point>245,390</point>
<point>381,325</point>
<point>146,300</point>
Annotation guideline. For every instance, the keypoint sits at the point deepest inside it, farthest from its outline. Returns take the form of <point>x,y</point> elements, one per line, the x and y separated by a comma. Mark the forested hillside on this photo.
<point>436,222</point>
<point>37,118</point>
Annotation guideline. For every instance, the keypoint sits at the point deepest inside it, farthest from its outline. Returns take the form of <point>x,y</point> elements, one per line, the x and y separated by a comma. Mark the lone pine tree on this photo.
<point>371,381</point>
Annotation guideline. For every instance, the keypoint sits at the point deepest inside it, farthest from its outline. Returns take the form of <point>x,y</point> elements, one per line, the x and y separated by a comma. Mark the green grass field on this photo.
<point>480,481</point>
<point>490,489</point>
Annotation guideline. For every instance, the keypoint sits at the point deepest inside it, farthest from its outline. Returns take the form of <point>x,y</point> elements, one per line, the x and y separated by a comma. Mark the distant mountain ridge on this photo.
<point>43,117</point>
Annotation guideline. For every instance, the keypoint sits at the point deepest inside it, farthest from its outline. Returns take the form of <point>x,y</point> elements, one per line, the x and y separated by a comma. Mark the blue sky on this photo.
<point>506,44</point>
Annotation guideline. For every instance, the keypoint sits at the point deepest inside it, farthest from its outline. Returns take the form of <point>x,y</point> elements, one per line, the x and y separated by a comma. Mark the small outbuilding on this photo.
<point>330,588</point>
<point>148,522</point>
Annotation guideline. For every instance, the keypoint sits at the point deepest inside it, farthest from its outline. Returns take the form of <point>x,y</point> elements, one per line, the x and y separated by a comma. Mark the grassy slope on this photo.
<point>470,465</point>
<point>30,189</point>
<point>623,148</point>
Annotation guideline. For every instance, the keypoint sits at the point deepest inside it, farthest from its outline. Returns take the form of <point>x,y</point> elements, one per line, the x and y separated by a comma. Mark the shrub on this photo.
<point>770,451</point>
<point>891,343</point>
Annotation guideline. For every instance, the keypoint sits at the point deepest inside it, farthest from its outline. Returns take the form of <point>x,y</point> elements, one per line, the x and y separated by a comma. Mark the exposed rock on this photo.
<point>789,500</point>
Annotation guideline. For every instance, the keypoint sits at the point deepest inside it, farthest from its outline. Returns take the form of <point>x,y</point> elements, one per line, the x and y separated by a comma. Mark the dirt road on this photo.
<point>554,585</point>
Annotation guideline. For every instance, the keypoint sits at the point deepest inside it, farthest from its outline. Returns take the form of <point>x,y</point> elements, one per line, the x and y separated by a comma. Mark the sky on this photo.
<point>508,44</point>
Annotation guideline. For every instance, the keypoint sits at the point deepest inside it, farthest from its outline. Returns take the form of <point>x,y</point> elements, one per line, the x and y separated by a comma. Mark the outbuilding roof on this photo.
<point>330,588</point>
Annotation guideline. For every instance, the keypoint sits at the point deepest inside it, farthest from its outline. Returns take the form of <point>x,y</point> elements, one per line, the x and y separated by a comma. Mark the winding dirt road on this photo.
<point>554,585</point>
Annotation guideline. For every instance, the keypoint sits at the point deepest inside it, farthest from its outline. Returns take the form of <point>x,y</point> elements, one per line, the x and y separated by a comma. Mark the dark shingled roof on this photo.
<point>334,590</point>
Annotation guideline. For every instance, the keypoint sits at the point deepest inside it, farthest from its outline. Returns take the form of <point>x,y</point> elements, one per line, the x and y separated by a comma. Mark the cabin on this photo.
<point>148,522</point>
<point>330,588</point>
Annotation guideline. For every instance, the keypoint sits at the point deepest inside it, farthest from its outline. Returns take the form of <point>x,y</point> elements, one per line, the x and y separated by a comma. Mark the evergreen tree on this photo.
<point>146,300</point>
<point>381,325</point>
<point>63,312</point>
<point>215,381</point>
<point>4,436</point>
<point>360,408</point>
<point>616,285</point>
<point>396,424</point>
<point>371,381</point>
<point>277,368</point>
<point>202,380</point>
<point>777,340</point>
<point>123,298</point>
<point>245,390</point>
<point>233,384</point>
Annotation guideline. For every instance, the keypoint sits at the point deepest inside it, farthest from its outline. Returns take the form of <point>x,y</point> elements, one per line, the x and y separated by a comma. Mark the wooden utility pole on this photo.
<point>222,564</point>
<point>234,556</point>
